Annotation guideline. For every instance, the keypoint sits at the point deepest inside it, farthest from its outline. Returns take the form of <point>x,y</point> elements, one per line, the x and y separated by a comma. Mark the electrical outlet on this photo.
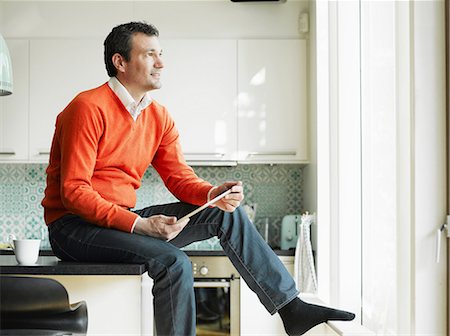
<point>303,23</point>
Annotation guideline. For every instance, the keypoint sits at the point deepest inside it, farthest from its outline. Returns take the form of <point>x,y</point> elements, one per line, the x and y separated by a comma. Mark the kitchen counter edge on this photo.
<point>48,264</point>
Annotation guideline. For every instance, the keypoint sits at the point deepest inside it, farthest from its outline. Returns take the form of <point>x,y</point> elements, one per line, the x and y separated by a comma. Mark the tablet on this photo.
<point>204,206</point>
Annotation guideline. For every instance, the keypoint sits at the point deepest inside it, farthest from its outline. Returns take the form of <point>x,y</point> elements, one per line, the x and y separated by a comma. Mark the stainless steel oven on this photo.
<point>217,291</point>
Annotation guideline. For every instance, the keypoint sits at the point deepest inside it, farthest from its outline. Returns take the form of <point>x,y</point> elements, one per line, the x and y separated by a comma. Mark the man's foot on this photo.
<point>298,316</point>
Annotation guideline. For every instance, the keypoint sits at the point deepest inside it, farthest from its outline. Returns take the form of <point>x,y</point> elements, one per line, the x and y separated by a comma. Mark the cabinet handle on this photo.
<point>220,155</point>
<point>274,153</point>
<point>7,152</point>
<point>44,152</point>
<point>211,284</point>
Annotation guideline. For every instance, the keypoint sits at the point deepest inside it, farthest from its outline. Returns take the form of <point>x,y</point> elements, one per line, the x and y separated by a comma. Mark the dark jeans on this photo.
<point>74,239</point>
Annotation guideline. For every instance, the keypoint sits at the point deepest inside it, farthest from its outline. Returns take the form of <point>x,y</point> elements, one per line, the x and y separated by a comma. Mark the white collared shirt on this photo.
<point>130,104</point>
<point>127,100</point>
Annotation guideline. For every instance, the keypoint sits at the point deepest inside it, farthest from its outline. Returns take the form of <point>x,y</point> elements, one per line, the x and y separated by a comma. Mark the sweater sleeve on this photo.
<point>79,133</point>
<point>176,174</point>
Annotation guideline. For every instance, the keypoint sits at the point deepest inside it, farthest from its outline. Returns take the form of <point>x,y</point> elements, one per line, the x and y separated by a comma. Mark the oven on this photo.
<point>217,294</point>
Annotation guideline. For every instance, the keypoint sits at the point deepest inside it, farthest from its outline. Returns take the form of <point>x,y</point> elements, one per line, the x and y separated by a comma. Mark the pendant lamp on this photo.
<point>6,76</point>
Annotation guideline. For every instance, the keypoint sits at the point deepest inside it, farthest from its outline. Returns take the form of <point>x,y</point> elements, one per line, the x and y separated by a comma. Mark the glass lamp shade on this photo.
<point>6,75</point>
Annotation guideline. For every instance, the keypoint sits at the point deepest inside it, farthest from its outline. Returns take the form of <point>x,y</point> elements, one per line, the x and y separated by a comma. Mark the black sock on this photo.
<point>298,316</point>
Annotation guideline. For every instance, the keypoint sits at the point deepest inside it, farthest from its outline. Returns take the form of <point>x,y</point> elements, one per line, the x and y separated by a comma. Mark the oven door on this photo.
<point>217,303</point>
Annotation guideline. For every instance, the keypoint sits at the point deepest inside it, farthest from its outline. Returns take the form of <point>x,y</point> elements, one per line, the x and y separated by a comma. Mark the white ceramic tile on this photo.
<point>277,191</point>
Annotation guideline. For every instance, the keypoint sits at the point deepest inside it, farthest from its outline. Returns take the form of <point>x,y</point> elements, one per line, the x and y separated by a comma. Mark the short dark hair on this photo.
<point>119,41</point>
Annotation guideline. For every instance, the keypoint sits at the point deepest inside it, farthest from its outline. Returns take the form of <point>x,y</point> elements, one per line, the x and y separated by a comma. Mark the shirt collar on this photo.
<point>127,100</point>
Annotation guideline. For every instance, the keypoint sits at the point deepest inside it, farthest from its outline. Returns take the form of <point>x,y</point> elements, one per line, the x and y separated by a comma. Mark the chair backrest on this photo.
<point>32,295</point>
<point>39,306</point>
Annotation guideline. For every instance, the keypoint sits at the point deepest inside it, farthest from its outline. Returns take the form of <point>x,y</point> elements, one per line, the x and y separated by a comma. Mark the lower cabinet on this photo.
<point>117,304</point>
<point>255,320</point>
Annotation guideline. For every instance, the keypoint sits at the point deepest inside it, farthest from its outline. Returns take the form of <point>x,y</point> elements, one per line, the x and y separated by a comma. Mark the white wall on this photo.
<point>310,171</point>
<point>190,19</point>
<point>429,287</point>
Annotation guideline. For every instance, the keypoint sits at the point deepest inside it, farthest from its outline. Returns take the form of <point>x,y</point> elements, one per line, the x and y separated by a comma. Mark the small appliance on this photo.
<point>289,231</point>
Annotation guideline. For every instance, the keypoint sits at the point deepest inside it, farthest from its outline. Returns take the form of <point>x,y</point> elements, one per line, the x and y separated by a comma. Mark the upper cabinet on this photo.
<point>14,108</point>
<point>199,90</point>
<point>234,77</point>
<point>240,100</point>
<point>59,70</point>
<point>272,100</point>
<point>232,100</point>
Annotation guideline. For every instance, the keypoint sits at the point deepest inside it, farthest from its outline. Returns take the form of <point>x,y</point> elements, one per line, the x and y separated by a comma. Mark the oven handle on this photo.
<point>211,284</point>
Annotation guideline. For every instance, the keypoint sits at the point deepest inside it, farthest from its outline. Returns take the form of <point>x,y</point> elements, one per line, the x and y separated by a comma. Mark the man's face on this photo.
<point>143,70</point>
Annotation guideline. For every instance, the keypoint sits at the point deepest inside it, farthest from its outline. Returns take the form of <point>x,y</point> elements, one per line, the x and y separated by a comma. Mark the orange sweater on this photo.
<point>99,155</point>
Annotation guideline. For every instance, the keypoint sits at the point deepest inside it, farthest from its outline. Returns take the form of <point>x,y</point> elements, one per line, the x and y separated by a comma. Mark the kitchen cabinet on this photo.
<point>118,296</point>
<point>199,89</point>
<point>115,302</point>
<point>272,101</point>
<point>14,108</point>
<point>59,70</point>
<point>255,320</point>
<point>245,102</point>
<point>232,100</point>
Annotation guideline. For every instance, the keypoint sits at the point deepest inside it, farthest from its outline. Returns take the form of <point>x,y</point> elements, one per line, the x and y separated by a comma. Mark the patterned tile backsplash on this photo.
<point>276,190</point>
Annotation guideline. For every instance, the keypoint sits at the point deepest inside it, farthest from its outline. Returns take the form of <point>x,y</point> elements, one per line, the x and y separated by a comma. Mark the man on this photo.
<point>104,141</point>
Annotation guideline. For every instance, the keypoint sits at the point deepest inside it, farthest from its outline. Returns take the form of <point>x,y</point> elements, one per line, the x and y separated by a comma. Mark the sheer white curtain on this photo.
<point>403,166</point>
<point>381,162</point>
<point>379,166</point>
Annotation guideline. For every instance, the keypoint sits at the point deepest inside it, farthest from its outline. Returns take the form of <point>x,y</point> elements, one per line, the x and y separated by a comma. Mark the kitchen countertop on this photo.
<point>222,253</point>
<point>278,252</point>
<point>52,265</point>
<point>48,264</point>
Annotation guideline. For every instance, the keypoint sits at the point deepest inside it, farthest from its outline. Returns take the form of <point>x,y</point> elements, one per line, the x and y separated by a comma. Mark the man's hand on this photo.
<point>230,202</point>
<point>160,226</point>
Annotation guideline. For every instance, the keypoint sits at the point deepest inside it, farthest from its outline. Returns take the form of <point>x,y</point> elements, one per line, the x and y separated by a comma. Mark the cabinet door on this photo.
<point>199,90</point>
<point>255,320</point>
<point>59,70</point>
<point>14,108</point>
<point>272,101</point>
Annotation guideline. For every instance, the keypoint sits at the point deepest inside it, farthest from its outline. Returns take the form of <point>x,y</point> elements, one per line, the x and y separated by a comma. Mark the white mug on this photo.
<point>25,250</point>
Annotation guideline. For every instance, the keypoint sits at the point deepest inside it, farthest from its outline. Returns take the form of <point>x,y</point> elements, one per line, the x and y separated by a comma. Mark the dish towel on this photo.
<point>304,270</point>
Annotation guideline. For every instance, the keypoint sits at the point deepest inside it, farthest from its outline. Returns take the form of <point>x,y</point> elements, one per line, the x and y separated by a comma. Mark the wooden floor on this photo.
<point>214,329</point>
<point>205,331</point>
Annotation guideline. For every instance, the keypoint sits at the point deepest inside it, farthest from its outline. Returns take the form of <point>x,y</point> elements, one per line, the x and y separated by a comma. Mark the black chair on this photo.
<point>39,306</point>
